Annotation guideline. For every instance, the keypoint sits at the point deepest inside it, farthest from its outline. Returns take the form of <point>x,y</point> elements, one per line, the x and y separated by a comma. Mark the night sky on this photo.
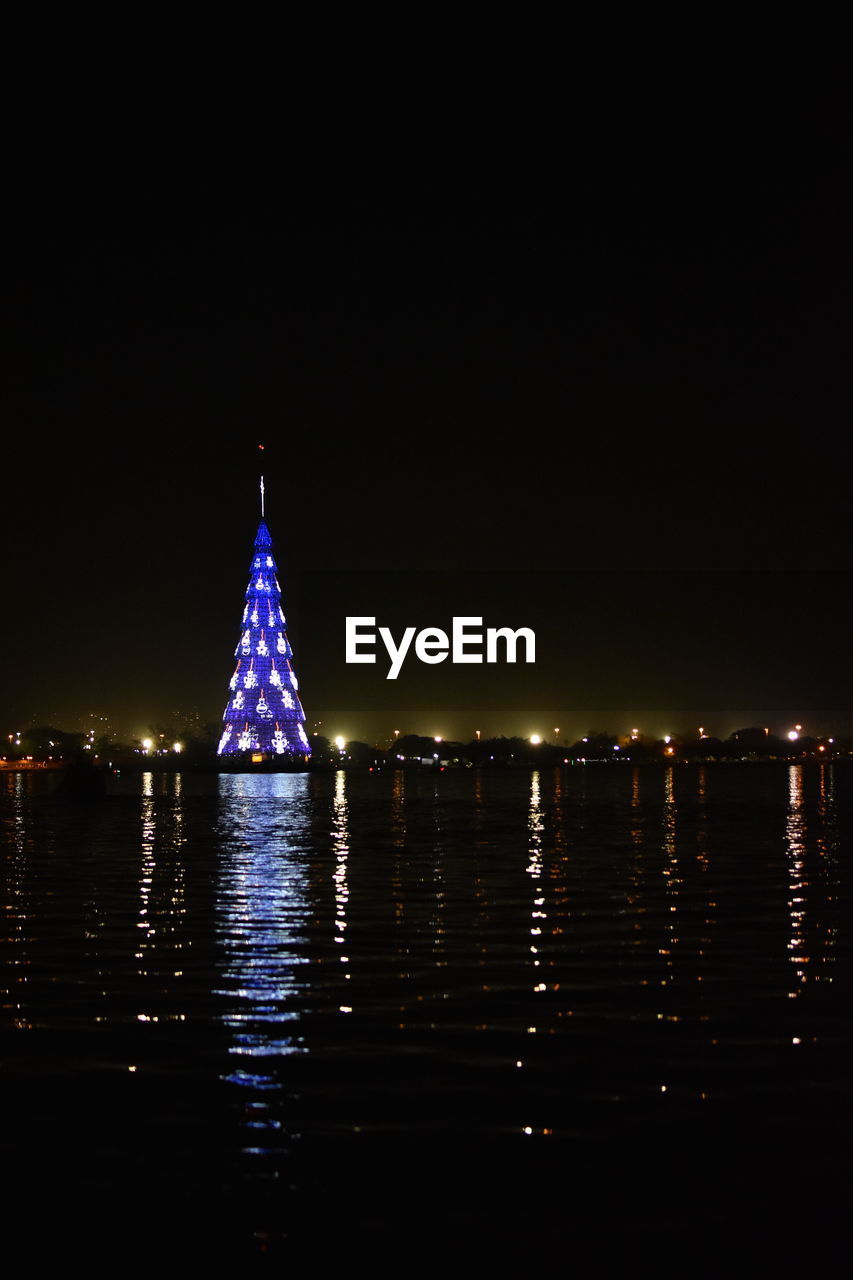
<point>593,383</point>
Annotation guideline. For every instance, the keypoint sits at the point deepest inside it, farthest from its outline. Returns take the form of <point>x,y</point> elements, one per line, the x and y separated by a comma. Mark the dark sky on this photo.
<point>594,382</point>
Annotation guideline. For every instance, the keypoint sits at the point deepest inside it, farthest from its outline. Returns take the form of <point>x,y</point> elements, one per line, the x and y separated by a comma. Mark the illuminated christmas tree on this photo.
<point>264,717</point>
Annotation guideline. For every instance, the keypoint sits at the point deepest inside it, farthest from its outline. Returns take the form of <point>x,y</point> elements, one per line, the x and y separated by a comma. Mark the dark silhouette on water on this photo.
<point>82,780</point>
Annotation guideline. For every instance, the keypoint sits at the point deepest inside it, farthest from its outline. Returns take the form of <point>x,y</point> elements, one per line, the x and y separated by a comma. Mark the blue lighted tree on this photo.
<point>264,715</point>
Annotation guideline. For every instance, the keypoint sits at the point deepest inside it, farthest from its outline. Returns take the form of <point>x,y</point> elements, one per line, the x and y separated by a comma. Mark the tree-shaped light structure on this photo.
<point>264,715</point>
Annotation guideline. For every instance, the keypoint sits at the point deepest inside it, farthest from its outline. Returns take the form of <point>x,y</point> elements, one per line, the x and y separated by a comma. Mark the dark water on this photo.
<point>498,1014</point>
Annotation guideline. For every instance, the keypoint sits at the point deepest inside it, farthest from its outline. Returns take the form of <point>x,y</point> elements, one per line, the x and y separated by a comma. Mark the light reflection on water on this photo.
<point>795,834</point>
<point>262,910</point>
<point>16,871</point>
<point>482,956</point>
<point>538,916</point>
<point>340,849</point>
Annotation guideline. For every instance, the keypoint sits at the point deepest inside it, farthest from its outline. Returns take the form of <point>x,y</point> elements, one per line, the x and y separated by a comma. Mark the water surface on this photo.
<point>487,1011</point>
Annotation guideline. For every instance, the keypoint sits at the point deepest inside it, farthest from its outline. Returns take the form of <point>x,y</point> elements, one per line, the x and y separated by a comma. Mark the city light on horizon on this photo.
<point>645,735</point>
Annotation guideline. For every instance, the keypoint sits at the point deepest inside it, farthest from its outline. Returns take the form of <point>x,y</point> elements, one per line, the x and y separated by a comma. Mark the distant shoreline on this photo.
<point>167,766</point>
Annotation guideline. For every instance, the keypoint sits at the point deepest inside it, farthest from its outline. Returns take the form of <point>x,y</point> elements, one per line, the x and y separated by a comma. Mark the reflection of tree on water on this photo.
<point>262,920</point>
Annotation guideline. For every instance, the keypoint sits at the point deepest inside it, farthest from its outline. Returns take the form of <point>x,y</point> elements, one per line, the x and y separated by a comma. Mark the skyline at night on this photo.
<point>614,649</point>
<point>609,419</point>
